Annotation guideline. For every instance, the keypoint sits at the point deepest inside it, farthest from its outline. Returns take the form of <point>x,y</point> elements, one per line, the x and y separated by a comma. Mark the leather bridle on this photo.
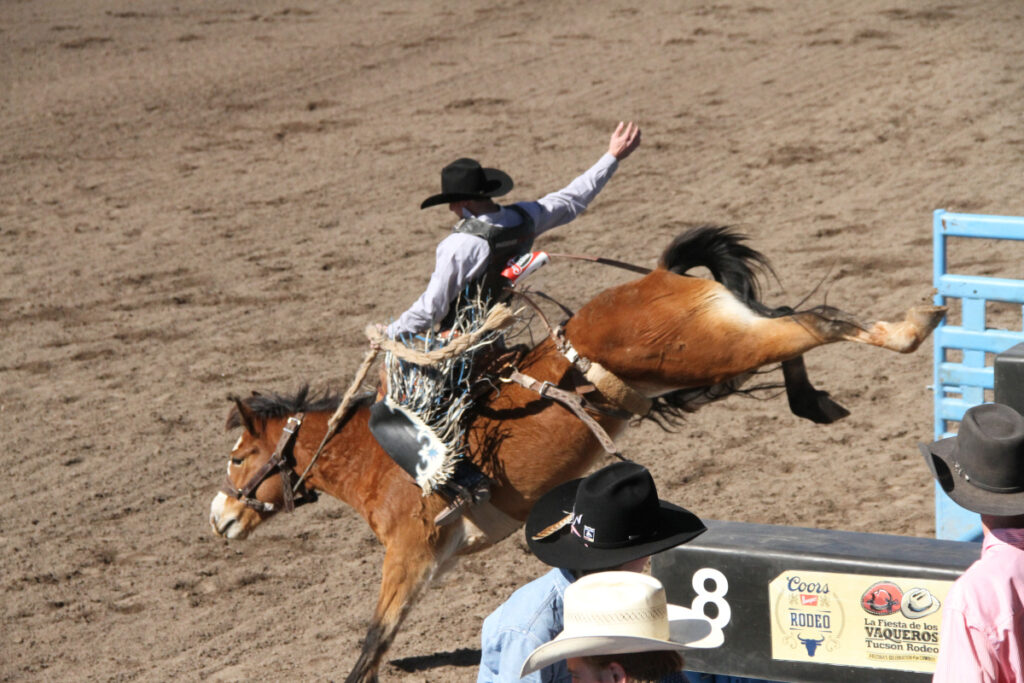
<point>282,461</point>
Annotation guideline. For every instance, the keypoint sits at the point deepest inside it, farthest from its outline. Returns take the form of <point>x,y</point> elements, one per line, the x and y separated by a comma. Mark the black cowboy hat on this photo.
<point>606,519</point>
<point>982,467</point>
<point>467,179</point>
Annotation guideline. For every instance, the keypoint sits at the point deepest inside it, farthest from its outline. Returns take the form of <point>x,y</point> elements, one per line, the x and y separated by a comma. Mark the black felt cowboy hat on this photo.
<point>982,467</point>
<point>467,179</point>
<point>607,519</point>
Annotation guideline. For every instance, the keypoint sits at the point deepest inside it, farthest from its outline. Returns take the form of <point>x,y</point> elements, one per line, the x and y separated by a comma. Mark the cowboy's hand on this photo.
<point>624,140</point>
<point>382,330</point>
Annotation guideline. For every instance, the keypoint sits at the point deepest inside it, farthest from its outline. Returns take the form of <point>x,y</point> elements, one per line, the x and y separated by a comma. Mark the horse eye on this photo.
<point>237,461</point>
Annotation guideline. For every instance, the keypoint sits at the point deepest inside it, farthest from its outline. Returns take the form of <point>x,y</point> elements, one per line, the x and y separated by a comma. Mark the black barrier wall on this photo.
<point>1008,377</point>
<point>815,605</point>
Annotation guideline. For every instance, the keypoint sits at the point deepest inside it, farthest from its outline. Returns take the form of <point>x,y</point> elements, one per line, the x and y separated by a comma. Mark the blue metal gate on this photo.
<point>961,384</point>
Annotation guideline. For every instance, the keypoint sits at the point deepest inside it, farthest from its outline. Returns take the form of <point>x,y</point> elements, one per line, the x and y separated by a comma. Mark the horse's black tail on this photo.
<point>739,268</point>
<point>722,251</point>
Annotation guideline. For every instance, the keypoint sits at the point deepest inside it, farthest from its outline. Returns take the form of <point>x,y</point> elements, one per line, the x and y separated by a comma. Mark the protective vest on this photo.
<point>505,243</point>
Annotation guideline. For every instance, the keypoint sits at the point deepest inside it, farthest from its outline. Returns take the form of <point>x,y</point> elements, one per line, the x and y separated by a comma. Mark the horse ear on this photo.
<point>246,419</point>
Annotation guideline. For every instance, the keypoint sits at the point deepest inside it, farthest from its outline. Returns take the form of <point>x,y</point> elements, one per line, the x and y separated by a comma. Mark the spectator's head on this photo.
<point>608,520</point>
<point>982,467</point>
<point>632,667</point>
<point>619,627</point>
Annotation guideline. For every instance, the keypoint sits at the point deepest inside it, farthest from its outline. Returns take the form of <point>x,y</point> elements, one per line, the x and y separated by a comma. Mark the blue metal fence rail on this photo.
<point>960,385</point>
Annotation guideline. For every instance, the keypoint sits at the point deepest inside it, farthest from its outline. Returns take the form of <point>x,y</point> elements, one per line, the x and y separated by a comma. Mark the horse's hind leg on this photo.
<point>410,565</point>
<point>830,325</point>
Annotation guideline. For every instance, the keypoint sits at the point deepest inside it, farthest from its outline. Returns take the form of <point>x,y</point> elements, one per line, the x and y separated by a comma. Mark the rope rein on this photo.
<point>499,317</point>
<point>342,411</point>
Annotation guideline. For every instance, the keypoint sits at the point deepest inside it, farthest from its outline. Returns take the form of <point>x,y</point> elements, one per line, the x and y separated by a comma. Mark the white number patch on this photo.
<point>716,597</point>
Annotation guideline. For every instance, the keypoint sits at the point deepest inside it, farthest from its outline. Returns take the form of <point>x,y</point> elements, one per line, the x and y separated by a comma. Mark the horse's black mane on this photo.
<point>722,251</point>
<point>272,405</point>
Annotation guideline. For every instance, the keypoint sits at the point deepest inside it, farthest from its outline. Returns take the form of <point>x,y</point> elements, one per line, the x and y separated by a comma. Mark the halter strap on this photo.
<point>277,461</point>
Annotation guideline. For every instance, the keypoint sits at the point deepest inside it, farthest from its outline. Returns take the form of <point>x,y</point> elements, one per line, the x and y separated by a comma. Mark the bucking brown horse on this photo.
<point>667,339</point>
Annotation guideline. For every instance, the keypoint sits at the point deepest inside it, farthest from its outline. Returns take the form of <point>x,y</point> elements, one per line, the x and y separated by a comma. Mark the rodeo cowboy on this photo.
<point>487,238</point>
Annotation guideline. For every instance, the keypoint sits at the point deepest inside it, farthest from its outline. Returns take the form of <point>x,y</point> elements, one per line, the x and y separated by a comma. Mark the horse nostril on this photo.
<point>223,531</point>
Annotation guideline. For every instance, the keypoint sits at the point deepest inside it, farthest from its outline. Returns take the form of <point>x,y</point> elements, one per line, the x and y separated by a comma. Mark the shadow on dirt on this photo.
<point>461,657</point>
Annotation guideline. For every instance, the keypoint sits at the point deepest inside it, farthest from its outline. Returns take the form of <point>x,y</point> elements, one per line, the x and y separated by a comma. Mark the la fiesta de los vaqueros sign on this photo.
<point>857,620</point>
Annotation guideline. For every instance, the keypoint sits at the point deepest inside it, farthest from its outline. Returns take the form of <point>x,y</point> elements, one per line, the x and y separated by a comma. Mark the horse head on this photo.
<point>260,467</point>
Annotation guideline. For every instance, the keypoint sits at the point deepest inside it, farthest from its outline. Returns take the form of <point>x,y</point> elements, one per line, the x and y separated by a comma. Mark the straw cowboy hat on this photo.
<point>467,179</point>
<point>606,519</point>
<point>919,602</point>
<point>612,613</point>
<point>982,467</point>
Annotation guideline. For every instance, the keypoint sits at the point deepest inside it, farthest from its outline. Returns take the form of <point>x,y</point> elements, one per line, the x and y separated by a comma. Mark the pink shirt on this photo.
<point>982,635</point>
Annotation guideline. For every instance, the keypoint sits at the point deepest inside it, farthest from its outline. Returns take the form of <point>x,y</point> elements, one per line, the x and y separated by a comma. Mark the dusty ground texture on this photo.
<point>204,198</point>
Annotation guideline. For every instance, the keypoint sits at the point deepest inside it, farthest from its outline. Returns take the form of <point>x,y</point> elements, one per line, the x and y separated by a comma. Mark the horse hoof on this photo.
<point>926,318</point>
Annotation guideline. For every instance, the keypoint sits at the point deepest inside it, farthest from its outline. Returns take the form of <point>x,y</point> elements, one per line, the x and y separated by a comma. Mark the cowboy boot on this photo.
<point>468,485</point>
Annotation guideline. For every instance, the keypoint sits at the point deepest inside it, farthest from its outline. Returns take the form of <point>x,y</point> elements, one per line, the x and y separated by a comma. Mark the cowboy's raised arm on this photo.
<point>558,208</point>
<point>624,140</point>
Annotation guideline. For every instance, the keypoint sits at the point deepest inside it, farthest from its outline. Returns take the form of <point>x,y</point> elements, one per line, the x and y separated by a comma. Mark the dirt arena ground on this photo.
<point>204,198</point>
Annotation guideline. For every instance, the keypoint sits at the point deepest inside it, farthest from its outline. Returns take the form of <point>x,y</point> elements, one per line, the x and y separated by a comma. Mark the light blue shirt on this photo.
<point>530,617</point>
<point>460,258</point>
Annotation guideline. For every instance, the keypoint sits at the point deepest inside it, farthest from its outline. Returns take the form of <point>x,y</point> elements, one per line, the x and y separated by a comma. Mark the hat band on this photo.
<point>639,622</point>
<point>985,487</point>
<point>587,536</point>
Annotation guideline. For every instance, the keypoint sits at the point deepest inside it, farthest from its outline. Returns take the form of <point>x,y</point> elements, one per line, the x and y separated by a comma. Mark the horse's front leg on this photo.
<point>415,556</point>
